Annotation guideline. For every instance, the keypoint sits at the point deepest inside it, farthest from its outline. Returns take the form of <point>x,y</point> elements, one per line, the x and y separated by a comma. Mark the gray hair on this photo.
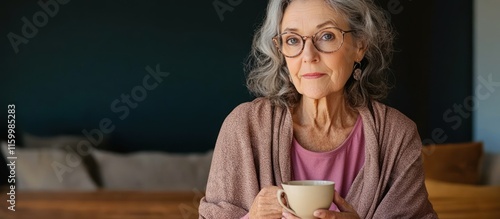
<point>268,76</point>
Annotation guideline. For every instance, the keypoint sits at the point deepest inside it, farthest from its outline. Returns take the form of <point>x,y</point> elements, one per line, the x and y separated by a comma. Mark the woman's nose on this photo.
<point>310,53</point>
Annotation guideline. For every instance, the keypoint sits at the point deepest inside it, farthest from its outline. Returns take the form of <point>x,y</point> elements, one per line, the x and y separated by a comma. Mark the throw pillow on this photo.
<point>456,162</point>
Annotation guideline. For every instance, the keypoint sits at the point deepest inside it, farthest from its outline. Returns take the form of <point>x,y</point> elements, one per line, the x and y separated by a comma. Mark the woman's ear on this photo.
<point>361,49</point>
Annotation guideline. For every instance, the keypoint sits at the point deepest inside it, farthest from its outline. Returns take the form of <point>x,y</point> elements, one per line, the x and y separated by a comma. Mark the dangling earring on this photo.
<point>357,71</point>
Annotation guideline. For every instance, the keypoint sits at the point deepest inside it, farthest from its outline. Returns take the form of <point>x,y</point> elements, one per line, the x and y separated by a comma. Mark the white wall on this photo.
<point>486,124</point>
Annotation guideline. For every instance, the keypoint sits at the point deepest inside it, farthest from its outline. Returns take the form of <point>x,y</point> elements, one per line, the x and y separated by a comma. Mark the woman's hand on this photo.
<point>346,210</point>
<point>265,204</point>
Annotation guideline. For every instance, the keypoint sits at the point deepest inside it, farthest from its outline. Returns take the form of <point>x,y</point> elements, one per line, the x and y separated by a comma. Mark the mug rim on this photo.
<point>322,183</point>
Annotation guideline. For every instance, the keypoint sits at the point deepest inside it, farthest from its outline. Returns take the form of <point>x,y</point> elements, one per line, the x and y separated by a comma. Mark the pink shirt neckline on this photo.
<point>340,165</point>
<point>339,149</point>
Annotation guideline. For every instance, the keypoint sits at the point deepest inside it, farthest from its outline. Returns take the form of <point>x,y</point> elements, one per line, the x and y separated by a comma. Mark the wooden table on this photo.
<point>449,200</point>
<point>453,201</point>
<point>103,204</point>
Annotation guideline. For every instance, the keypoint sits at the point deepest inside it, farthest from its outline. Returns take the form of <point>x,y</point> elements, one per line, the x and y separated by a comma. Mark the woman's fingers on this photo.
<point>326,214</point>
<point>289,215</point>
<point>346,209</point>
<point>266,204</point>
<point>342,204</point>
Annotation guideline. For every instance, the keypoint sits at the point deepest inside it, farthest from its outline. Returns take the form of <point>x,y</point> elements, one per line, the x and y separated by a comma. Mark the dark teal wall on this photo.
<point>64,80</point>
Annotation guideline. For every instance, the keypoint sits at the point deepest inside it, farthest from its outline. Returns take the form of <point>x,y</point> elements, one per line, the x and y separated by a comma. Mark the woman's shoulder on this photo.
<point>391,128</point>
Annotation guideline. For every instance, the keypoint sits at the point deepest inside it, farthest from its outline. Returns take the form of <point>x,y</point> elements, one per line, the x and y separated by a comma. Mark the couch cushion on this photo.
<point>78,144</point>
<point>49,169</point>
<point>153,170</point>
<point>457,162</point>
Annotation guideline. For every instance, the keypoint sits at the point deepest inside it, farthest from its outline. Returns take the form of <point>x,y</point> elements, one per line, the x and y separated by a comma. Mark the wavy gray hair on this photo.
<point>268,76</point>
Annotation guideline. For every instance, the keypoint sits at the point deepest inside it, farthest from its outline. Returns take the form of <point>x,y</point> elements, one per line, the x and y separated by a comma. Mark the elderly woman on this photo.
<point>318,67</point>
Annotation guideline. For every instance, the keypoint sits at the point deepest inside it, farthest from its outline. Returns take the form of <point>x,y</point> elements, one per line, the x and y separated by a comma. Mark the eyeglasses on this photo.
<point>327,40</point>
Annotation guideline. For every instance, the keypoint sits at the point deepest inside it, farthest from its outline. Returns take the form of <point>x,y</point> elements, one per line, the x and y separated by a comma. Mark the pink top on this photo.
<point>341,165</point>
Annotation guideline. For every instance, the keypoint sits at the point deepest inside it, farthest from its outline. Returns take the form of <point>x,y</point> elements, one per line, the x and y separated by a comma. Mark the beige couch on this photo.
<point>53,164</point>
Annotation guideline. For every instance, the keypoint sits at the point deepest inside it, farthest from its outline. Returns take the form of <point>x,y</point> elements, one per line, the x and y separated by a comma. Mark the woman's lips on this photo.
<point>313,75</point>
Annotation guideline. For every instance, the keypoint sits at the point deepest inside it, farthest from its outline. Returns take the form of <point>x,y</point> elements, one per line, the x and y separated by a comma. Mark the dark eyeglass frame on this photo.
<point>304,38</point>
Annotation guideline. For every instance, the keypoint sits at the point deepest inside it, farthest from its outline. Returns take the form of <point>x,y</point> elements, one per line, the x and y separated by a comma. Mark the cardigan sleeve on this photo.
<point>406,195</point>
<point>232,182</point>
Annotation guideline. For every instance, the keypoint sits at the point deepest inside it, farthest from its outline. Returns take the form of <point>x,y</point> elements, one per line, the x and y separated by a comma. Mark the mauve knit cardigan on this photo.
<point>253,151</point>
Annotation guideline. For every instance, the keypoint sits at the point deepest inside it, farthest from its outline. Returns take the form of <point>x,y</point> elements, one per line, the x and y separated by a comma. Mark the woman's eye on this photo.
<point>327,36</point>
<point>292,41</point>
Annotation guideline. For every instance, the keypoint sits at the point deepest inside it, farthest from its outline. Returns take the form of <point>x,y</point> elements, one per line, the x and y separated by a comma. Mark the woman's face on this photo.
<point>316,74</point>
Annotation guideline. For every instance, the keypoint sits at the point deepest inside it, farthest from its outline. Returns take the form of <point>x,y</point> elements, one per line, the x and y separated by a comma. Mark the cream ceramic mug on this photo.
<point>306,196</point>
